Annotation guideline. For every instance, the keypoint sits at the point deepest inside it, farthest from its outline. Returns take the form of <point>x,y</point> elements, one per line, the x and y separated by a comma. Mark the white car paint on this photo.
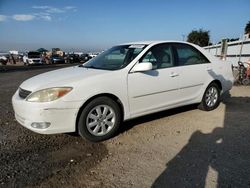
<point>140,93</point>
<point>3,58</point>
<point>32,61</point>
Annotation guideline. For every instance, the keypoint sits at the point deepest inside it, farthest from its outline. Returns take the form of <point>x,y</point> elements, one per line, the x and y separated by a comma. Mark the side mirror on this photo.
<point>142,67</point>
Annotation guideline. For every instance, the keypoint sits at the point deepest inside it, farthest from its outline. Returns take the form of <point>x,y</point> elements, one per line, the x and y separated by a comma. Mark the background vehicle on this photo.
<point>73,58</point>
<point>124,82</point>
<point>57,59</point>
<point>85,57</point>
<point>93,54</point>
<point>3,60</point>
<point>32,58</point>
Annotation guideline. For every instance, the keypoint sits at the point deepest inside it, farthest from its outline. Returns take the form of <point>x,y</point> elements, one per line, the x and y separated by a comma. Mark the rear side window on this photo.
<point>188,55</point>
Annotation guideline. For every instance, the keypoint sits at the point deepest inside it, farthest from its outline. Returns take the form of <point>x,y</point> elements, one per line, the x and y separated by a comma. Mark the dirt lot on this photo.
<point>184,147</point>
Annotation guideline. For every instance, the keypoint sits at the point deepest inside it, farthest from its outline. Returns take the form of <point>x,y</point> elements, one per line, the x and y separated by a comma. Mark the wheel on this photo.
<point>211,98</point>
<point>246,81</point>
<point>99,120</point>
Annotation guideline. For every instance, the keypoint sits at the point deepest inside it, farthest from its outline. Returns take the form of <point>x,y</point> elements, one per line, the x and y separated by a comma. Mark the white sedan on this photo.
<point>124,82</point>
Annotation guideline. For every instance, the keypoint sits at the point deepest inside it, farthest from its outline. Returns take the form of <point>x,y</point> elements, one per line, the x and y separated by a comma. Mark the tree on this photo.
<point>247,28</point>
<point>199,37</point>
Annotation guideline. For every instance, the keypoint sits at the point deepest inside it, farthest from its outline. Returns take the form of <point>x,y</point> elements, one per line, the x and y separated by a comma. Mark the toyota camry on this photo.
<point>124,82</point>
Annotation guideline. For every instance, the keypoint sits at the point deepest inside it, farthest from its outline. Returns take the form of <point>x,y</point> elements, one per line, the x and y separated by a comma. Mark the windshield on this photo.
<point>34,55</point>
<point>115,58</point>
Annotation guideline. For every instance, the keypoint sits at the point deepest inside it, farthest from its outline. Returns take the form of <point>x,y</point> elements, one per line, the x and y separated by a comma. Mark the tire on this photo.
<point>99,120</point>
<point>246,81</point>
<point>214,98</point>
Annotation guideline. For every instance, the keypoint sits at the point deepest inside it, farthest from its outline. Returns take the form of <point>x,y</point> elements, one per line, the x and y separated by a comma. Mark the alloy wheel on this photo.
<point>100,120</point>
<point>211,96</point>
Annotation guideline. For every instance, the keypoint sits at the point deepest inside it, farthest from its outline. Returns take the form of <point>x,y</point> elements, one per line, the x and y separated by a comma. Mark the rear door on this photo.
<point>195,69</point>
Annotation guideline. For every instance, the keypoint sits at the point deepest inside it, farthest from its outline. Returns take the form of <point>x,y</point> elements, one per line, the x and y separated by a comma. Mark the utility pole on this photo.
<point>183,37</point>
<point>242,40</point>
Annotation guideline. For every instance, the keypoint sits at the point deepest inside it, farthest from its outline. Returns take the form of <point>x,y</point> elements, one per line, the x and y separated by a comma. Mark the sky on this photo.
<point>93,25</point>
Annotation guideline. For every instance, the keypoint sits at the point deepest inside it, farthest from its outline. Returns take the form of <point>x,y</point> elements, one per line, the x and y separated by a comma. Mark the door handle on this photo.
<point>174,74</point>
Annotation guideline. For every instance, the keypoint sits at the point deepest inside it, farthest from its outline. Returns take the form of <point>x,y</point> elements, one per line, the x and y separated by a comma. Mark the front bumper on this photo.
<point>59,114</point>
<point>35,62</point>
<point>58,61</point>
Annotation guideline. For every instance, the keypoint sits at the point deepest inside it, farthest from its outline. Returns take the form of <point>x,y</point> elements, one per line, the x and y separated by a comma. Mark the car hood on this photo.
<point>59,78</point>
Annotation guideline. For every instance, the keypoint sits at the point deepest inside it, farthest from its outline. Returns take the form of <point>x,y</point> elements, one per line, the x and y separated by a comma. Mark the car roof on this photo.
<point>34,52</point>
<point>154,42</point>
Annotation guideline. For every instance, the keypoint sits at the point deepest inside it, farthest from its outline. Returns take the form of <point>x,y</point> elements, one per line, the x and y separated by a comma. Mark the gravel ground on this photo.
<point>183,147</point>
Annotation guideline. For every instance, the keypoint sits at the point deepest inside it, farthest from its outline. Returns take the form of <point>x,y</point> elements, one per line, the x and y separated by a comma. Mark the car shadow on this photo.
<point>151,117</point>
<point>226,150</point>
<point>158,115</point>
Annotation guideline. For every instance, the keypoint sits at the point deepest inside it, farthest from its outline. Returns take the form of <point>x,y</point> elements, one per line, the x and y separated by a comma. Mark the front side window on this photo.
<point>115,58</point>
<point>160,56</point>
<point>188,55</point>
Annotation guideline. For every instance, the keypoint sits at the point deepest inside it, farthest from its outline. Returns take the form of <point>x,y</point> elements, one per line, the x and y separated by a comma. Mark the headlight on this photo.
<point>47,95</point>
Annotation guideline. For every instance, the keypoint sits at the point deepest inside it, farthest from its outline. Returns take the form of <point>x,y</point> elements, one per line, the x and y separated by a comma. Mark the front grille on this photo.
<point>23,93</point>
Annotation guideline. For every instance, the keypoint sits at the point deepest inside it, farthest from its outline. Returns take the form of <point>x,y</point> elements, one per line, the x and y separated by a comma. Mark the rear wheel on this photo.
<point>211,98</point>
<point>246,81</point>
<point>99,120</point>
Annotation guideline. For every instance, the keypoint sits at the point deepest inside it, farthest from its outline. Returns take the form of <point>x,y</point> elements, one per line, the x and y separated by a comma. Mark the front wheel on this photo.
<point>99,120</point>
<point>211,98</point>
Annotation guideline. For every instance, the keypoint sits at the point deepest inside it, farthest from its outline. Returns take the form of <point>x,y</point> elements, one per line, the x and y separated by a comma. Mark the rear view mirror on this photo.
<point>142,67</point>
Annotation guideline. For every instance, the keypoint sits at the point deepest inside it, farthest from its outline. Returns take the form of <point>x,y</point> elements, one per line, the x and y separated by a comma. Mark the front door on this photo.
<point>156,89</point>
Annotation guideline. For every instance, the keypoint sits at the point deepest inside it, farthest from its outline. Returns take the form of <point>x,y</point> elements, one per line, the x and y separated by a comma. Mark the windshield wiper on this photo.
<point>93,67</point>
<point>89,67</point>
